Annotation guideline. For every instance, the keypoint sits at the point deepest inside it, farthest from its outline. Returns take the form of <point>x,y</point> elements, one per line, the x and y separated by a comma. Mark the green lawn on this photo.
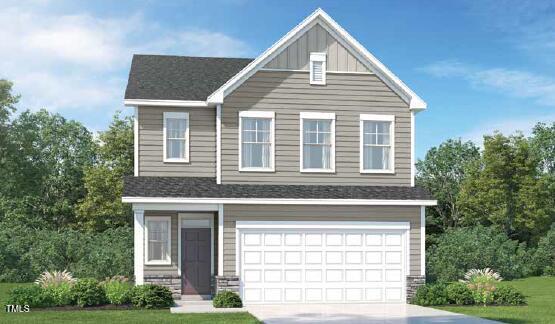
<point>115,316</point>
<point>540,294</point>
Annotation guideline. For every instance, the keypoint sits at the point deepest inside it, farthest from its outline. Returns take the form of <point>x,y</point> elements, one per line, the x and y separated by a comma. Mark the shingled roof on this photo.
<point>203,187</point>
<point>164,77</point>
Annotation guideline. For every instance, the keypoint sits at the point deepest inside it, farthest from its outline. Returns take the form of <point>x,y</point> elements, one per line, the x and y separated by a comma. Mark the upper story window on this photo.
<point>317,68</point>
<point>158,238</point>
<point>318,142</point>
<point>176,137</point>
<point>377,143</point>
<point>256,140</point>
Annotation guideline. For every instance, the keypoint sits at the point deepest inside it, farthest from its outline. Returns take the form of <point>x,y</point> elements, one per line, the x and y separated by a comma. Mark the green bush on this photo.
<point>227,299</point>
<point>33,296</point>
<point>430,295</point>
<point>508,295</point>
<point>458,293</point>
<point>118,292</point>
<point>543,259</point>
<point>458,250</point>
<point>152,296</point>
<point>88,292</point>
<point>61,294</point>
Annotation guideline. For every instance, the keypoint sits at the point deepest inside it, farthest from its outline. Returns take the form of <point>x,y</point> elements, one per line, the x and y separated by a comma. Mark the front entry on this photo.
<point>196,261</point>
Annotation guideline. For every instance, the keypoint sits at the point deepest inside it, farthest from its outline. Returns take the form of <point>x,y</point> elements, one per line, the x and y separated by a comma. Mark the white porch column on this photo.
<point>422,240</point>
<point>139,244</point>
<point>221,240</point>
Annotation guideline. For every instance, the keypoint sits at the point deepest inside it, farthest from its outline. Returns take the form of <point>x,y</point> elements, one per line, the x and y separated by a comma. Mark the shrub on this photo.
<point>118,292</point>
<point>151,296</point>
<point>227,299</point>
<point>430,295</point>
<point>508,295</point>
<point>60,294</point>
<point>458,293</point>
<point>55,278</point>
<point>33,296</point>
<point>458,250</point>
<point>482,283</point>
<point>88,292</point>
<point>543,259</point>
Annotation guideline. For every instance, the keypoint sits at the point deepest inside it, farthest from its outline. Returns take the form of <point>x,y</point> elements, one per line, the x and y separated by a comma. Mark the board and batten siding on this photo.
<point>171,269</point>
<point>233,213</point>
<point>296,56</point>
<point>202,147</point>
<point>288,93</point>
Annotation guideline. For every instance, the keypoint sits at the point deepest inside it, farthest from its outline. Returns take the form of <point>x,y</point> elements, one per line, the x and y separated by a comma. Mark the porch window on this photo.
<point>318,142</point>
<point>256,136</point>
<point>176,137</point>
<point>158,240</point>
<point>377,149</point>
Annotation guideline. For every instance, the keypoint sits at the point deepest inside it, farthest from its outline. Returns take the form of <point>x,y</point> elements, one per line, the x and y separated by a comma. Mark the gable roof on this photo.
<point>187,78</point>
<point>361,53</point>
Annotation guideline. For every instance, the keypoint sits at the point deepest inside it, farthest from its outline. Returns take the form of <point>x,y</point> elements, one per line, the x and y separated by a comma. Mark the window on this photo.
<point>176,137</point>
<point>318,142</point>
<point>158,238</point>
<point>377,143</point>
<point>256,140</point>
<point>317,68</point>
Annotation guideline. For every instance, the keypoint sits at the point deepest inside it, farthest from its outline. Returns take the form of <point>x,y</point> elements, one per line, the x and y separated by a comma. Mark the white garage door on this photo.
<point>312,263</point>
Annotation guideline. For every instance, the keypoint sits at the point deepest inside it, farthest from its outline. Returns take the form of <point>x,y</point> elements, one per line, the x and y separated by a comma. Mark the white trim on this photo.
<point>278,201</point>
<point>369,117</point>
<point>138,243</point>
<point>180,115</point>
<point>218,143</point>
<point>322,225</point>
<point>167,219</point>
<point>407,261</point>
<point>412,145</point>
<point>322,18</point>
<point>166,103</point>
<point>180,207</point>
<point>317,57</point>
<point>316,115</point>
<point>136,142</point>
<point>238,257</point>
<point>221,240</point>
<point>182,218</point>
<point>422,240</point>
<point>307,71</point>
<point>258,114</point>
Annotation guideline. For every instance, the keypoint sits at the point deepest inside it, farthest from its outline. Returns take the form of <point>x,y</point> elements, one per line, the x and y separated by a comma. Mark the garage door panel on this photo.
<point>319,266</point>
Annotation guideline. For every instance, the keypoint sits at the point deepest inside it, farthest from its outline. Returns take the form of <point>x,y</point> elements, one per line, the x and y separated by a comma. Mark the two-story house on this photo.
<point>288,178</point>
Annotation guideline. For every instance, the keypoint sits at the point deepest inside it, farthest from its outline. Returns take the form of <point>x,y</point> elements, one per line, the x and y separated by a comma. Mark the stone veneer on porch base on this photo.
<point>171,281</point>
<point>230,283</point>
<point>413,282</point>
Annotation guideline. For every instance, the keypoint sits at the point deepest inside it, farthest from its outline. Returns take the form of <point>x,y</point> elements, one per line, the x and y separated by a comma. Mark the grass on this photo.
<point>115,316</point>
<point>540,295</point>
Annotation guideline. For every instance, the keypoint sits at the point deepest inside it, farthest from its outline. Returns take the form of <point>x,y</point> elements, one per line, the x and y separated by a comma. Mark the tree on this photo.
<point>543,141</point>
<point>506,189</point>
<point>43,178</point>
<point>441,173</point>
<point>102,208</point>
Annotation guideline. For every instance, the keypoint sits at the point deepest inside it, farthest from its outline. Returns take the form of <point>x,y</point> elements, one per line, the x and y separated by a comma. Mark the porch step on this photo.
<point>196,297</point>
<point>201,306</point>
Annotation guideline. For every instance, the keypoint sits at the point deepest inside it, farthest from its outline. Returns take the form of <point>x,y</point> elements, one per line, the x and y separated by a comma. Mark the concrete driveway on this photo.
<point>357,313</point>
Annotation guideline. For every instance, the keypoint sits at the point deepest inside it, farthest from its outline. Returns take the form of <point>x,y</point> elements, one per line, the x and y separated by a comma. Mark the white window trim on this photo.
<point>318,57</point>
<point>180,115</point>
<point>317,115</point>
<point>167,219</point>
<point>368,117</point>
<point>258,114</point>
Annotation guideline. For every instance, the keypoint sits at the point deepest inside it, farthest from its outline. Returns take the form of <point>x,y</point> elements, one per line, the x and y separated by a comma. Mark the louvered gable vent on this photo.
<point>317,68</point>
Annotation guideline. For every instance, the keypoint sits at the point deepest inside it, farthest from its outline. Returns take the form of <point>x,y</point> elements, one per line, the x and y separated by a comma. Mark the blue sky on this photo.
<point>480,65</point>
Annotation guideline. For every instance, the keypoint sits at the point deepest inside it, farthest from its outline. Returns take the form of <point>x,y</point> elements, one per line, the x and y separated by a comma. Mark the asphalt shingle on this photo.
<point>164,77</point>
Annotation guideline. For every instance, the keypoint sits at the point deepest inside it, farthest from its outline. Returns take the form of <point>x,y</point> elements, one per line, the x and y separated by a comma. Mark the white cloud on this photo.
<point>513,83</point>
<point>76,61</point>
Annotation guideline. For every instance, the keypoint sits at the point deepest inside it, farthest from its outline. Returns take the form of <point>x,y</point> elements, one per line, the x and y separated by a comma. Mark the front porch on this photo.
<point>176,246</point>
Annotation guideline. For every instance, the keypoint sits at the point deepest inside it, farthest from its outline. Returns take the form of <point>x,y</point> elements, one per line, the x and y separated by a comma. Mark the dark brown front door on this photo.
<point>196,261</point>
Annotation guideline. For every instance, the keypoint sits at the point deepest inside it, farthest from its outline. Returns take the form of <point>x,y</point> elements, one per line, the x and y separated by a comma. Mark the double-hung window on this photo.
<point>158,238</point>
<point>256,141</point>
<point>377,143</point>
<point>317,142</point>
<point>176,137</point>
